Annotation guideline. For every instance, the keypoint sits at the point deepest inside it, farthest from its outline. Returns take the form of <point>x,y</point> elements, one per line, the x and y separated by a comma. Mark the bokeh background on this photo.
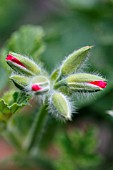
<point>63,26</point>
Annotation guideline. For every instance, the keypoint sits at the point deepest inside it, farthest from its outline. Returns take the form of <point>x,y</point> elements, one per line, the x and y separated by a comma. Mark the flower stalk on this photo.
<point>36,128</point>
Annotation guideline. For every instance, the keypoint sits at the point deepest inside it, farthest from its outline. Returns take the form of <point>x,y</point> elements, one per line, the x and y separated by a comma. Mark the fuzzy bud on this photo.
<point>20,82</point>
<point>36,84</point>
<point>85,82</point>
<point>39,84</point>
<point>62,105</point>
<point>74,60</point>
<point>22,64</point>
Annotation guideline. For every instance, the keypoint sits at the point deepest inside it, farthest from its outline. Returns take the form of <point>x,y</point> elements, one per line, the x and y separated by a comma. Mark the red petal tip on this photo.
<point>100,83</point>
<point>14,59</point>
<point>36,87</point>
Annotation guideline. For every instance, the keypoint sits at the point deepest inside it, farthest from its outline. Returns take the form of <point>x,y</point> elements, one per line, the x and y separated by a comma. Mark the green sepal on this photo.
<point>55,75</point>
<point>83,77</point>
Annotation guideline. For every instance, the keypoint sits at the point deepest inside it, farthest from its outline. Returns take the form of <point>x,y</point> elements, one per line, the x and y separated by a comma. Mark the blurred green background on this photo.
<point>66,25</point>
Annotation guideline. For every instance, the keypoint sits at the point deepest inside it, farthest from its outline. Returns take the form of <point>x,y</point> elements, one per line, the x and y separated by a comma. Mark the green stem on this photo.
<point>36,128</point>
<point>59,84</point>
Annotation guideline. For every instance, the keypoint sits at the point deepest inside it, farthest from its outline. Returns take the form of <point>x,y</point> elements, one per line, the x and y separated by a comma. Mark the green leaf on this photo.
<point>77,149</point>
<point>28,40</point>
<point>10,103</point>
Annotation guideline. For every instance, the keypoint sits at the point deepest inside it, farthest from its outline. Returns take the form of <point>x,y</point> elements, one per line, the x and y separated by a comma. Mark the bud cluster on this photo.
<point>31,78</point>
<point>27,76</point>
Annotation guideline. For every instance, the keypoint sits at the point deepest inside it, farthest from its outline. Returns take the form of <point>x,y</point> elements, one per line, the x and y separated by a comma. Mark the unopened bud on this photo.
<point>39,84</point>
<point>62,105</point>
<point>36,84</point>
<point>74,60</point>
<point>20,82</point>
<point>85,82</point>
<point>22,64</point>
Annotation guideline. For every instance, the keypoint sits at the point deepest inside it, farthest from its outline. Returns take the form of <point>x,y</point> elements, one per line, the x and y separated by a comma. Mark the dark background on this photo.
<point>69,25</point>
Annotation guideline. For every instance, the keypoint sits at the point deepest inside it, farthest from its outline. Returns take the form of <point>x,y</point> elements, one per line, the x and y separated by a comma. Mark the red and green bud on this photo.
<point>36,84</point>
<point>85,82</point>
<point>22,64</point>
<point>15,60</point>
<point>36,87</point>
<point>82,82</point>
<point>101,84</point>
<point>39,84</point>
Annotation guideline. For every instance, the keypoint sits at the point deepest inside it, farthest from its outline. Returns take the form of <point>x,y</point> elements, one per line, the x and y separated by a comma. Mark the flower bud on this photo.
<point>85,82</point>
<point>74,60</point>
<point>22,64</point>
<point>20,82</point>
<point>39,84</point>
<point>36,84</point>
<point>61,105</point>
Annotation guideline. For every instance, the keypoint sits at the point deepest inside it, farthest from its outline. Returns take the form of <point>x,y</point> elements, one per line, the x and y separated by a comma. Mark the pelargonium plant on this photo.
<point>55,90</point>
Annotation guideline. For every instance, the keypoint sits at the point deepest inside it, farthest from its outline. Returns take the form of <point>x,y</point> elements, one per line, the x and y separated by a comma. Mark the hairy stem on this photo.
<point>36,128</point>
<point>59,84</point>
